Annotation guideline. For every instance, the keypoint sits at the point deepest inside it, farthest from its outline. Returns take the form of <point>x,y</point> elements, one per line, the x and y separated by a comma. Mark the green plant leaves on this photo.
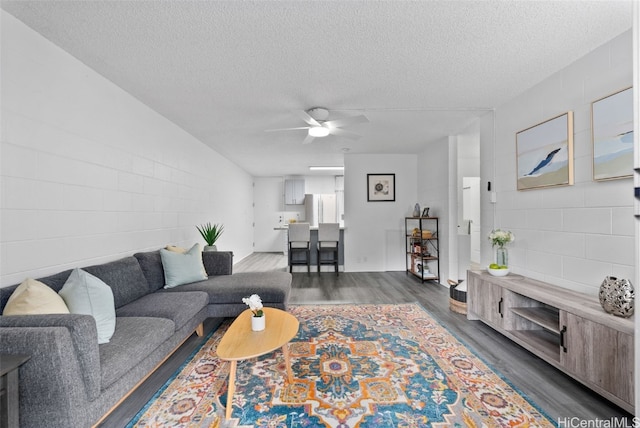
<point>210,233</point>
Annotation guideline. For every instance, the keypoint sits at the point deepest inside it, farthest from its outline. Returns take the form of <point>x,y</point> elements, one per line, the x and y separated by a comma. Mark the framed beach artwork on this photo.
<point>381,187</point>
<point>612,134</point>
<point>544,153</point>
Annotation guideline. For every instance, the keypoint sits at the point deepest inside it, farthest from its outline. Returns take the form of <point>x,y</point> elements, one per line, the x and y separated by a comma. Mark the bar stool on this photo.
<point>299,238</point>
<point>328,240</point>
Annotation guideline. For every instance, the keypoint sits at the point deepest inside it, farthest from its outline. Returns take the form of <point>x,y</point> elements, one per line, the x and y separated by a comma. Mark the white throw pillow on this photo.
<point>182,268</point>
<point>34,298</point>
<point>89,295</point>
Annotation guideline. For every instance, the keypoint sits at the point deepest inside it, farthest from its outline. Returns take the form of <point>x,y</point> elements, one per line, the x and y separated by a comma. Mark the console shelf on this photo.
<point>568,330</point>
<point>546,317</point>
<point>543,340</point>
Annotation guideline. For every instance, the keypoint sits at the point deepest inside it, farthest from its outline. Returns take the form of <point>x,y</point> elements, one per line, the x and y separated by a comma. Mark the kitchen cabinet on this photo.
<point>294,191</point>
<point>568,330</point>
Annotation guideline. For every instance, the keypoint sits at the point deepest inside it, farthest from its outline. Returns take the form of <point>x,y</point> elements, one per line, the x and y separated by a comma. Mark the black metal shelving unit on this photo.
<point>422,248</point>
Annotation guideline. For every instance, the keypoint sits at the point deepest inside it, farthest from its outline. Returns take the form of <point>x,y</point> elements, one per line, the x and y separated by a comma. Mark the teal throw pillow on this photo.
<point>182,268</point>
<point>89,295</point>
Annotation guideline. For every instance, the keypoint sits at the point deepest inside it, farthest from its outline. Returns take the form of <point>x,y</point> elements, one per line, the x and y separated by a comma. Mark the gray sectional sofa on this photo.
<point>71,381</point>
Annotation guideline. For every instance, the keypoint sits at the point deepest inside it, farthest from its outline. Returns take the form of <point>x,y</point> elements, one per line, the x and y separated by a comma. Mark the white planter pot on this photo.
<point>210,248</point>
<point>258,323</point>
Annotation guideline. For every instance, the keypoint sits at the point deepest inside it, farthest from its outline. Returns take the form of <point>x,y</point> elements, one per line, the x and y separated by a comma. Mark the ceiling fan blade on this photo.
<point>338,123</point>
<point>308,139</point>
<point>305,116</point>
<point>286,129</point>
<point>342,133</point>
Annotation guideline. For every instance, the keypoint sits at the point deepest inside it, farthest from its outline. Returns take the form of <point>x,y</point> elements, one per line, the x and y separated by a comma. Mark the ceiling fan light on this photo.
<point>318,131</point>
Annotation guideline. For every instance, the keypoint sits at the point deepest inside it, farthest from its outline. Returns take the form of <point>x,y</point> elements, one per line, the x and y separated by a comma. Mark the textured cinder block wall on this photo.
<point>90,174</point>
<point>571,236</point>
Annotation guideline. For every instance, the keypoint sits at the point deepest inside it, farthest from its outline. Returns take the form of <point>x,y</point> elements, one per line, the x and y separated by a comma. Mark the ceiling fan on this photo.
<point>319,126</point>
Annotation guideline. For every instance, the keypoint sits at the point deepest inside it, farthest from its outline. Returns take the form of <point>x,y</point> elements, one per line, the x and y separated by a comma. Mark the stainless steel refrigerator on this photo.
<point>320,209</point>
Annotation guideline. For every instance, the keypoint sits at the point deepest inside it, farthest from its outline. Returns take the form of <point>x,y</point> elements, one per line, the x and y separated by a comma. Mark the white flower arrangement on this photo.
<point>255,304</point>
<point>501,237</point>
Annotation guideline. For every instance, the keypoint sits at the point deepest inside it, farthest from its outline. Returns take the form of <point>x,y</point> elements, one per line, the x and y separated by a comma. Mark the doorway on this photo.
<point>468,192</point>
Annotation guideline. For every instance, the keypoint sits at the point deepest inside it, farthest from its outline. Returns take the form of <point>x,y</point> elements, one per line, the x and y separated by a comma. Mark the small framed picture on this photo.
<point>425,212</point>
<point>381,187</point>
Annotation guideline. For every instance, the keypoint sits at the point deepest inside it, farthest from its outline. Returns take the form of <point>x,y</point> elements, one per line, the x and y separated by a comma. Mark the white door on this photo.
<point>268,204</point>
<point>471,213</point>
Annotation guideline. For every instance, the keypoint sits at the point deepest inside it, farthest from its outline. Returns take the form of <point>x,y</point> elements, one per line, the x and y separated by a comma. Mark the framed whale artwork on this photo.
<point>612,135</point>
<point>544,153</point>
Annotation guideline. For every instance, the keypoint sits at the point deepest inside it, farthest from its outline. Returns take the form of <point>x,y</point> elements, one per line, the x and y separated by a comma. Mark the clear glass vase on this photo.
<point>502,256</point>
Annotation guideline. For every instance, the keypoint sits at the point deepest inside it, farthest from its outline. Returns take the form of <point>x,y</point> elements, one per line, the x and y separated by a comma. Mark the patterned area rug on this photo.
<point>353,366</point>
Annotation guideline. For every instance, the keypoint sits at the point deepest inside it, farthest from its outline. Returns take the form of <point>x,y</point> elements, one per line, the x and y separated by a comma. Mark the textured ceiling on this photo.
<point>226,71</point>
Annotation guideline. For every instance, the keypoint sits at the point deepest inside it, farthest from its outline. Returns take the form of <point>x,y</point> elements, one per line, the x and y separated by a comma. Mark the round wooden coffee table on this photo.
<point>242,343</point>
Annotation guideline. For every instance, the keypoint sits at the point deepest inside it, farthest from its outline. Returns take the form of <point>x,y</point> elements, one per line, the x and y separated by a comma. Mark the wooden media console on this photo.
<point>569,330</point>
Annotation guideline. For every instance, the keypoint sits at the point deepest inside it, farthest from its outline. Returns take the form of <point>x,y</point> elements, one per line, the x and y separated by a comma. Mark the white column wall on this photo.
<point>636,142</point>
<point>434,191</point>
<point>90,174</point>
<point>374,231</point>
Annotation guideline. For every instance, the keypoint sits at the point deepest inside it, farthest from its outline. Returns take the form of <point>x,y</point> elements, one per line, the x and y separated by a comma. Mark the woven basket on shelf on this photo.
<point>426,234</point>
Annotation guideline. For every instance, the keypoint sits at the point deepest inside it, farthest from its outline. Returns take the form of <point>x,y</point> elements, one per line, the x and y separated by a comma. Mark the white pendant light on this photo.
<point>318,131</point>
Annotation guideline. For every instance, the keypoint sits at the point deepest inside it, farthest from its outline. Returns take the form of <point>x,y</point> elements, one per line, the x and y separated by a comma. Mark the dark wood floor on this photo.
<point>554,392</point>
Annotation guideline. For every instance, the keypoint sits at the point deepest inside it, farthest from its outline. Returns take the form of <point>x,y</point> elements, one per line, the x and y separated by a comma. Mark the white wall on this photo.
<point>269,200</point>
<point>570,236</point>
<point>374,231</point>
<point>320,184</point>
<point>636,142</point>
<point>90,174</point>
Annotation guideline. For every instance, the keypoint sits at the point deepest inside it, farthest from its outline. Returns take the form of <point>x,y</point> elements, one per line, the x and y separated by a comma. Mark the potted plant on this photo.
<point>257,317</point>
<point>210,233</point>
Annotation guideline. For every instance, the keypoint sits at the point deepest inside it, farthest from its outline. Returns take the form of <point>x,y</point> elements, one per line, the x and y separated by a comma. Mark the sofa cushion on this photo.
<point>218,262</point>
<point>134,339</point>
<point>151,264</point>
<point>270,286</point>
<point>124,276</point>
<point>179,307</point>
<point>182,268</point>
<point>86,294</point>
<point>32,298</point>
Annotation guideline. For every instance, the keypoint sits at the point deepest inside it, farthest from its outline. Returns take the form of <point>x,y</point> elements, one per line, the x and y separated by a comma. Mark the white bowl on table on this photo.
<point>498,272</point>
